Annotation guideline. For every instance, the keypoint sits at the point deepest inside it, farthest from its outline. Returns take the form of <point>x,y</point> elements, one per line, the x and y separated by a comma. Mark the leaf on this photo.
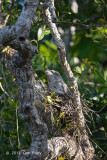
<point>5,49</point>
<point>102,21</point>
<point>53,93</point>
<point>61,158</point>
<point>61,114</point>
<point>58,100</point>
<point>68,20</point>
<point>46,32</point>
<point>49,99</point>
<point>97,1</point>
<point>11,102</point>
<point>40,34</point>
<point>69,13</point>
<point>78,70</point>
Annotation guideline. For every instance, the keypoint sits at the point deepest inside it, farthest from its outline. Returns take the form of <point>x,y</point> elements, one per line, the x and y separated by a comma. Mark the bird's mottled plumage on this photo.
<point>56,83</point>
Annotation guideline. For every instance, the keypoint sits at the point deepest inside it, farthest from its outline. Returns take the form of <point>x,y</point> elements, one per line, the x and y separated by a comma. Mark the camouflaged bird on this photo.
<point>56,83</point>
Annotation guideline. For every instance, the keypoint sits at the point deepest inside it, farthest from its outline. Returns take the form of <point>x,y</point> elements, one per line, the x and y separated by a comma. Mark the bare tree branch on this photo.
<point>49,16</point>
<point>2,22</point>
<point>12,4</point>
<point>17,34</point>
<point>62,55</point>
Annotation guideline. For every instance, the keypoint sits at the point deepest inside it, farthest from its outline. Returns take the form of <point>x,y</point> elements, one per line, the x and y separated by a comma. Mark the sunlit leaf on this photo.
<point>97,1</point>
<point>11,102</point>
<point>52,94</point>
<point>78,69</point>
<point>102,21</point>
<point>40,34</point>
<point>46,32</point>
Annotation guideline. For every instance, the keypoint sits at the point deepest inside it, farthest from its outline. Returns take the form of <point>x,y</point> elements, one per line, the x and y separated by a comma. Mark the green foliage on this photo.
<point>93,88</point>
<point>61,158</point>
<point>13,133</point>
<point>42,32</point>
<point>97,1</point>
